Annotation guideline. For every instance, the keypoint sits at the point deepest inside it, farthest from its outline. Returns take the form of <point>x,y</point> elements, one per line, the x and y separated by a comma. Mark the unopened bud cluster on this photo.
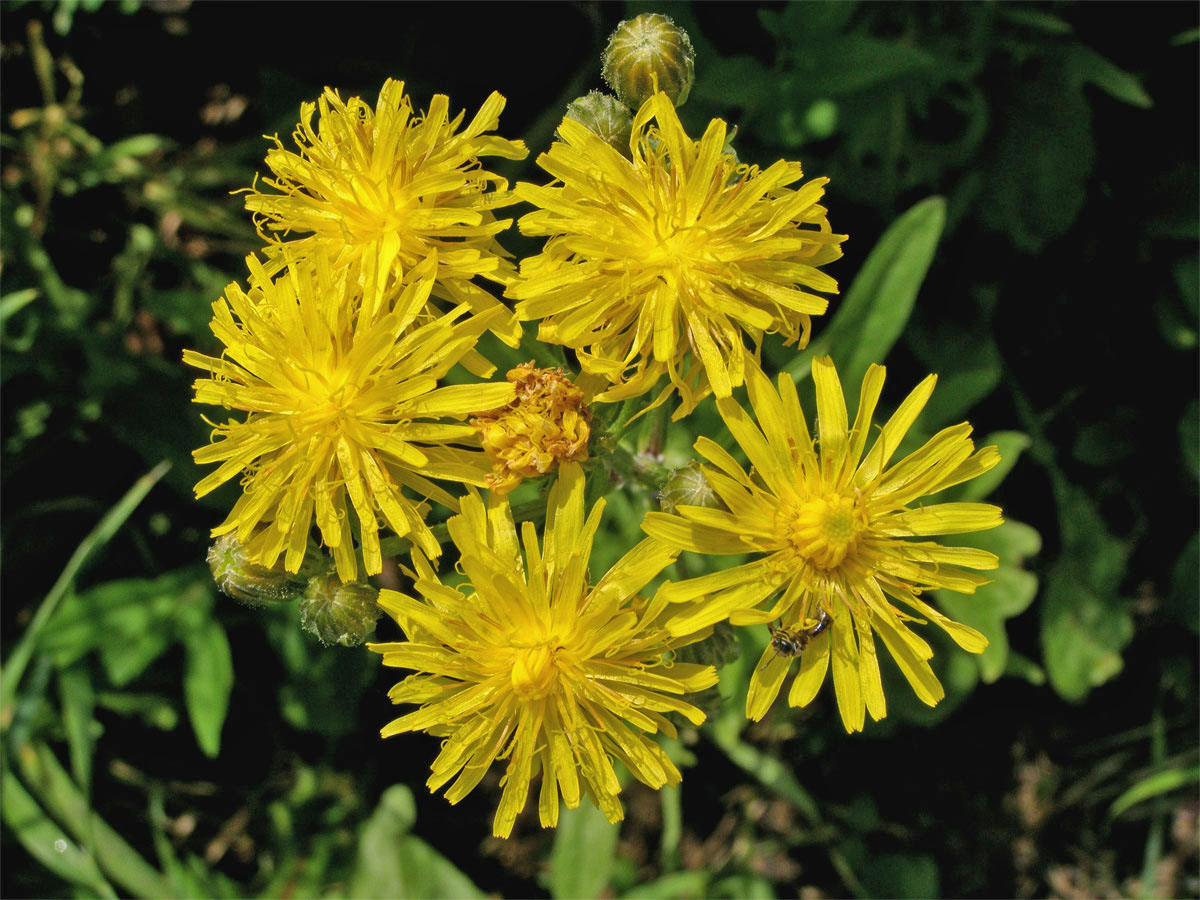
<point>335,613</point>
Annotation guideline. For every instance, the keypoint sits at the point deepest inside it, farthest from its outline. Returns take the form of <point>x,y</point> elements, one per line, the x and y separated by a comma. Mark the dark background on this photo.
<point>1064,291</point>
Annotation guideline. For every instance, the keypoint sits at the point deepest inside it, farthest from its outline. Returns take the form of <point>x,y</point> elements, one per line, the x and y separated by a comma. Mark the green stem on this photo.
<point>10,675</point>
<point>1158,821</point>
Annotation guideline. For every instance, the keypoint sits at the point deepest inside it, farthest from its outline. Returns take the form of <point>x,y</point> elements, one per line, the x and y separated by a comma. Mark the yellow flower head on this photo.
<point>379,189</point>
<point>546,424</point>
<point>833,531</point>
<point>534,664</point>
<point>658,263</point>
<point>340,404</point>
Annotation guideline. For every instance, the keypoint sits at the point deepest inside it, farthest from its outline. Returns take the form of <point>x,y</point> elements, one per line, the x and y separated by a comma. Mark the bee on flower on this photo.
<point>837,534</point>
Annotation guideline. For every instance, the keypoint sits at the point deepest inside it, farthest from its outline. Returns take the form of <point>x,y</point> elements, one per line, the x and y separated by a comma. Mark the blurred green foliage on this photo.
<point>1021,198</point>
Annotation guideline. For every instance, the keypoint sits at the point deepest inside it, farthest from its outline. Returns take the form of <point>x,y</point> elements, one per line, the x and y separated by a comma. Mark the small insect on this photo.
<point>791,642</point>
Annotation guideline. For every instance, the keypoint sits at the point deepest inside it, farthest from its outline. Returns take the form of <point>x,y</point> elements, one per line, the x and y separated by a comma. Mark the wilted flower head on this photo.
<point>663,264</point>
<point>545,424</point>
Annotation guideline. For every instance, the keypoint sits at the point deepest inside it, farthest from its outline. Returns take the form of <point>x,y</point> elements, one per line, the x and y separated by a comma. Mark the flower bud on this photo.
<point>338,613</point>
<point>248,582</point>
<point>687,486</point>
<point>605,116</point>
<point>646,50</point>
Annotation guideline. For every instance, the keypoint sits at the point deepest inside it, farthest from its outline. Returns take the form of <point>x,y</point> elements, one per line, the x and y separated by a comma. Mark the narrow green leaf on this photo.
<point>1034,18</point>
<point>768,770</point>
<point>743,886</point>
<point>45,841</point>
<point>584,846</point>
<point>16,301</point>
<point>62,799</point>
<point>78,704</point>
<point>154,710</point>
<point>10,676</point>
<point>1154,786</point>
<point>392,863</point>
<point>675,886</point>
<point>1024,668</point>
<point>207,683</point>
<point>1092,68</point>
<point>1183,599</point>
<point>879,302</point>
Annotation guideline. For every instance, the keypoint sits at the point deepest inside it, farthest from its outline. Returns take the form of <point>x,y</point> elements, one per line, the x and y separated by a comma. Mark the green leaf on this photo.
<point>152,709</point>
<point>582,858</point>
<point>1189,438</point>
<point>97,538</point>
<point>733,81</point>
<point>850,64</point>
<point>1154,786</point>
<point>129,621</point>
<point>1083,631</point>
<point>1183,599</point>
<point>1010,594</point>
<point>12,303</point>
<point>769,771</point>
<point>743,886</point>
<point>392,863</point>
<point>78,703</point>
<point>1042,157</point>
<point>902,875</point>
<point>1034,18</point>
<point>1092,68</point>
<point>1024,668</point>
<point>675,886</point>
<point>45,841</point>
<point>877,306</point>
<point>207,683</point>
<point>63,800</point>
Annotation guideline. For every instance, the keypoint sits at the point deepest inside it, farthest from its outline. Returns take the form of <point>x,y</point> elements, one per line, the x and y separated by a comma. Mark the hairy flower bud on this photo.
<point>338,613</point>
<point>248,582</point>
<point>687,486</point>
<point>546,424</point>
<point>647,50</point>
<point>605,116</point>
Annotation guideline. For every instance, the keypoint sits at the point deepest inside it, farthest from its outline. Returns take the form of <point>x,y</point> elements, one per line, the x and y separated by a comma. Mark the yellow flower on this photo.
<point>533,664</point>
<point>339,404</point>
<point>833,531</point>
<point>379,189</point>
<point>675,251</point>
<point>546,424</point>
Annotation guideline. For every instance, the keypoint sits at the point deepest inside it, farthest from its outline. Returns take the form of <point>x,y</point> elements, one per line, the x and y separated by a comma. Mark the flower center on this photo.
<point>824,530</point>
<point>533,671</point>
